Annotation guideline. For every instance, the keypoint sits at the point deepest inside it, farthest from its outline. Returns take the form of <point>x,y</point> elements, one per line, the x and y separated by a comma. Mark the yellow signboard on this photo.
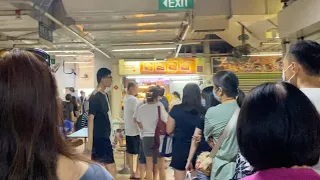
<point>171,66</point>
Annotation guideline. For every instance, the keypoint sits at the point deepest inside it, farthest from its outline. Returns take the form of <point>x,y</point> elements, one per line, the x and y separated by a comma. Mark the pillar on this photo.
<point>207,67</point>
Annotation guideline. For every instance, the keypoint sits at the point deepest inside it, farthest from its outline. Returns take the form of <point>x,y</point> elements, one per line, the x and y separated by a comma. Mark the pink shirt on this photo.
<point>285,174</point>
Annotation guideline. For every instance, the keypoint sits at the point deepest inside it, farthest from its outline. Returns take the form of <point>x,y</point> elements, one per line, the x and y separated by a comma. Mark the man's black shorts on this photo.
<point>133,144</point>
<point>102,151</point>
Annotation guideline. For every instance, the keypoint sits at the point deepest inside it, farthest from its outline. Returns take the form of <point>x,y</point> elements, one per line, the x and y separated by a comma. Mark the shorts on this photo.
<point>102,151</point>
<point>142,157</point>
<point>201,176</point>
<point>148,150</point>
<point>133,144</point>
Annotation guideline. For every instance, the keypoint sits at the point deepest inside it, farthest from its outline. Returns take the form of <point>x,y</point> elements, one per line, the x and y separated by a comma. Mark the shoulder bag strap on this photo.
<point>159,113</point>
<point>225,133</point>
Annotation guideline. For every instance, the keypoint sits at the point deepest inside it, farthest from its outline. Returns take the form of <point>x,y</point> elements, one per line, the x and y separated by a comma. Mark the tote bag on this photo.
<point>204,161</point>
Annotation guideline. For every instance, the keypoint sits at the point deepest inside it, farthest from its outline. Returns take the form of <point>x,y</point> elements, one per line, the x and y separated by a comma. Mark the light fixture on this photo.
<point>146,31</point>
<point>185,81</point>
<point>263,54</point>
<point>146,24</point>
<point>66,55</point>
<point>69,51</point>
<point>166,77</point>
<point>143,49</point>
<point>76,62</point>
<point>144,15</point>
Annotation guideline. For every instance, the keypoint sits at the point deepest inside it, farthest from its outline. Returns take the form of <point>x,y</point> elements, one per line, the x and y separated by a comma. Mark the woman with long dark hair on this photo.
<point>31,145</point>
<point>183,120</point>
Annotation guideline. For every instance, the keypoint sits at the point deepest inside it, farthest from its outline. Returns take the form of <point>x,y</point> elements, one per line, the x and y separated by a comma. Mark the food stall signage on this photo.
<point>176,4</point>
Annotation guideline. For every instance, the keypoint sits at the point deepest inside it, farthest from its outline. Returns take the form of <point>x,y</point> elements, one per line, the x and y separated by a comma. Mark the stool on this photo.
<point>125,169</point>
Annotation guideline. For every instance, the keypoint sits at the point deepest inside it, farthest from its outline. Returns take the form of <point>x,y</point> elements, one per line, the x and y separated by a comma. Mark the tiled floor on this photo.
<point>119,161</point>
<point>119,158</point>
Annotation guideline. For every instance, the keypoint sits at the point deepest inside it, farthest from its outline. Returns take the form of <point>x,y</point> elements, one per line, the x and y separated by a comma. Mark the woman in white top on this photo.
<point>176,99</point>
<point>147,118</point>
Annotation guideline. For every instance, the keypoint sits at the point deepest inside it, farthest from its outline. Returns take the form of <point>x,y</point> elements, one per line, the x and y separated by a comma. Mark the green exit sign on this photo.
<point>176,4</point>
<point>53,61</point>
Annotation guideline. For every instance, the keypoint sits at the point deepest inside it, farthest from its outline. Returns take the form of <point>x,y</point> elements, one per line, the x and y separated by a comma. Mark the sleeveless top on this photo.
<point>96,172</point>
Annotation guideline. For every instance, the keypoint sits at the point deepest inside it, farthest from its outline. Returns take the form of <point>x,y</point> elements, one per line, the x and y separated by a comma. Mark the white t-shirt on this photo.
<point>130,104</point>
<point>314,95</point>
<point>147,114</point>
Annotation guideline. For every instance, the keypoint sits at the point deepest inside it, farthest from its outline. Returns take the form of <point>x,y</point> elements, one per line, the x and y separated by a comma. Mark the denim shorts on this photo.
<point>201,176</point>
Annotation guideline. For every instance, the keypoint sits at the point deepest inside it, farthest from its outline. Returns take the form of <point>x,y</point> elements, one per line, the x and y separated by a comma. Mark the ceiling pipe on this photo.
<point>67,28</point>
<point>185,24</point>
<point>183,37</point>
<point>180,45</point>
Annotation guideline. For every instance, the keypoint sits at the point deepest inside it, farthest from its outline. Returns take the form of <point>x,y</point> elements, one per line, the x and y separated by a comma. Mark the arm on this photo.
<point>136,118</point>
<point>164,114</point>
<point>72,117</point>
<point>90,133</point>
<point>134,108</point>
<point>193,148</point>
<point>93,106</point>
<point>170,125</point>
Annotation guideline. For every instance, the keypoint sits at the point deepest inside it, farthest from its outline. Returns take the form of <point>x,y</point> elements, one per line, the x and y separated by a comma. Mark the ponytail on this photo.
<point>240,98</point>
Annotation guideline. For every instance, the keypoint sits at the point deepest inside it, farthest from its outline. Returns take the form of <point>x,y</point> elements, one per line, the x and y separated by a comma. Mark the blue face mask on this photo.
<point>216,96</point>
<point>203,102</point>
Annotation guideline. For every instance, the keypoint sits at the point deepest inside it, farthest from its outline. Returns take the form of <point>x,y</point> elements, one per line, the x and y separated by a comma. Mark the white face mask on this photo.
<point>203,102</point>
<point>216,96</point>
<point>108,89</point>
<point>284,75</point>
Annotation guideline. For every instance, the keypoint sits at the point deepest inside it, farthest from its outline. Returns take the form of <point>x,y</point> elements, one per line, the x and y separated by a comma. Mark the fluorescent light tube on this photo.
<point>143,49</point>
<point>69,51</point>
<point>165,77</point>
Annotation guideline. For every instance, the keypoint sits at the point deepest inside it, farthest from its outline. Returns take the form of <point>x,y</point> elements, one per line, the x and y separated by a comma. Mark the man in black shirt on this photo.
<point>99,128</point>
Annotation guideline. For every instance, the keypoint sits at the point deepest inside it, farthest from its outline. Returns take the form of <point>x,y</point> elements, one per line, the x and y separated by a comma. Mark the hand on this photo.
<point>189,166</point>
<point>197,138</point>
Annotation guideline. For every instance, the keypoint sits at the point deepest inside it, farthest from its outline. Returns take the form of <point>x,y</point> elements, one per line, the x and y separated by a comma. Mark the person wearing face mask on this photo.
<point>301,67</point>
<point>208,99</point>
<point>226,90</point>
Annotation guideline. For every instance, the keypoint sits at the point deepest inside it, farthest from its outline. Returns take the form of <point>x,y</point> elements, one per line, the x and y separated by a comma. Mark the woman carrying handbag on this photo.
<point>148,119</point>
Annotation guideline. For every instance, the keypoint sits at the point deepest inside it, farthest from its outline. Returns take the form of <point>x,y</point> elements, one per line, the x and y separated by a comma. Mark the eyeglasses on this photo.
<point>37,52</point>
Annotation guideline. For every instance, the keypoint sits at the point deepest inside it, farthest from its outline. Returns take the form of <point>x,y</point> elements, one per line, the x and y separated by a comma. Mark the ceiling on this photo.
<point>138,30</point>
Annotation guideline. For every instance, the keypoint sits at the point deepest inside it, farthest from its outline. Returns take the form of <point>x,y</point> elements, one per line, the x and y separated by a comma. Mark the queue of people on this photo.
<point>275,135</point>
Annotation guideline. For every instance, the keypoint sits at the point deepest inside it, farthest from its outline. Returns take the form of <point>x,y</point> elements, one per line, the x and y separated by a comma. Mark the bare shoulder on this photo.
<point>68,169</point>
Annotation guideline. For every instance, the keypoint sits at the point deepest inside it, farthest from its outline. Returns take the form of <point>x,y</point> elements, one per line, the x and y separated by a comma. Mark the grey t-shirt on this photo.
<point>96,172</point>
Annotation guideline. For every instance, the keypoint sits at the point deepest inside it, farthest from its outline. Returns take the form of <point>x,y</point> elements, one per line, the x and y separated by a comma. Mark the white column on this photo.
<point>207,67</point>
<point>116,92</point>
